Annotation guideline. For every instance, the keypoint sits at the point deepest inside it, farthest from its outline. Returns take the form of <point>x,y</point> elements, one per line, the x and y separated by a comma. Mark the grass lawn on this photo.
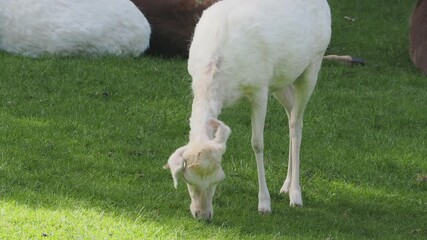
<point>83,142</point>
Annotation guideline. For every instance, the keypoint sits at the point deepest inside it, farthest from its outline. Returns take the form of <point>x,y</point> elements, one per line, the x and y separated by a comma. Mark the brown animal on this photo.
<point>172,24</point>
<point>418,36</point>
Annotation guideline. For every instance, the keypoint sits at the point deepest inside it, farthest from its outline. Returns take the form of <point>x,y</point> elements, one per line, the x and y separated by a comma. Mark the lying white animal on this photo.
<point>72,27</point>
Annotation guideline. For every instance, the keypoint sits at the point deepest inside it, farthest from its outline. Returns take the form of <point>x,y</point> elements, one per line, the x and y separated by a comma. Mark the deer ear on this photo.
<point>222,131</point>
<point>176,164</point>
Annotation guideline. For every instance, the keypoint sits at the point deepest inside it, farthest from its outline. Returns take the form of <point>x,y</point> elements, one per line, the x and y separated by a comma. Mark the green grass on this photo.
<point>83,142</point>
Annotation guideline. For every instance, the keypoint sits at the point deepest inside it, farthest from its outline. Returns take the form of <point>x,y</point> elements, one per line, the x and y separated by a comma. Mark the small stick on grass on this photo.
<point>345,59</point>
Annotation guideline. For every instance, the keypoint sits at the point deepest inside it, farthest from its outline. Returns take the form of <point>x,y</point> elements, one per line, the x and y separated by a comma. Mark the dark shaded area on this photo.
<point>172,24</point>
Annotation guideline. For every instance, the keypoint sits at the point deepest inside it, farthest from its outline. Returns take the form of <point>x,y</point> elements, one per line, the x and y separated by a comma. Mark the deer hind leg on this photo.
<point>286,98</point>
<point>294,99</point>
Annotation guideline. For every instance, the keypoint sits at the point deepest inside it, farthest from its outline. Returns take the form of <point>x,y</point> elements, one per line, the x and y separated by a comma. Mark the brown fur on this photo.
<point>172,24</point>
<point>418,36</point>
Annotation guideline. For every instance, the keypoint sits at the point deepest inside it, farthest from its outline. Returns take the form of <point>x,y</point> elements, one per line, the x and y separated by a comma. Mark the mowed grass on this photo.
<point>83,142</point>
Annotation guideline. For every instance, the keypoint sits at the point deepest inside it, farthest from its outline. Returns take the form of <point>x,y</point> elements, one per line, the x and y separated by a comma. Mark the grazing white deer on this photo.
<point>249,48</point>
<point>72,27</point>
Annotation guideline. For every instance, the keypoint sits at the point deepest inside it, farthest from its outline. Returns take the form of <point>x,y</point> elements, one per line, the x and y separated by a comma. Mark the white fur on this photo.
<point>70,27</point>
<point>253,48</point>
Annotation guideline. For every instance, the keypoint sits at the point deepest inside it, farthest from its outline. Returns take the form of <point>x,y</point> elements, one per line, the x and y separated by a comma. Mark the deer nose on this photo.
<point>203,215</point>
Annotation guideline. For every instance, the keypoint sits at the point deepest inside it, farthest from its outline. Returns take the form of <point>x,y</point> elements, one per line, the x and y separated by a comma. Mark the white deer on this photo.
<point>249,48</point>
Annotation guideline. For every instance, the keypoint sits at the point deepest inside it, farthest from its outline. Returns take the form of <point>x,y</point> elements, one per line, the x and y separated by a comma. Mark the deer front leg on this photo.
<point>259,110</point>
